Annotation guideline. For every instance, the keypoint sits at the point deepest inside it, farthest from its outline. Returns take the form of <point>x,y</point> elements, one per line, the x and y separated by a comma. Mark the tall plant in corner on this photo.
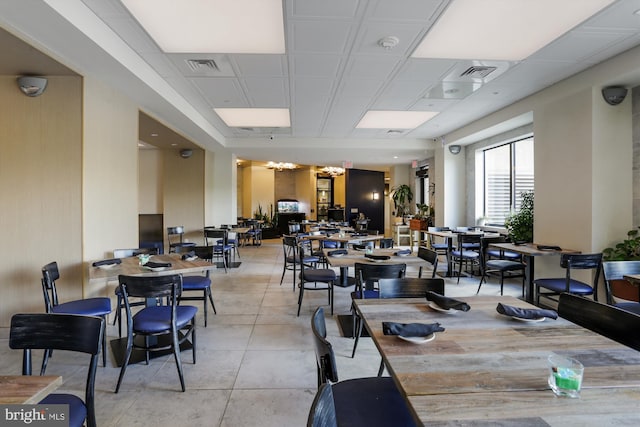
<point>402,197</point>
<point>520,224</point>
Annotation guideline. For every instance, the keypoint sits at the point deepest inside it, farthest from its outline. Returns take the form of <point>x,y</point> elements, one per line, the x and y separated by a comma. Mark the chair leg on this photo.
<point>480,284</point>
<point>381,368</point>
<point>104,342</point>
<point>208,292</point>
<point>125,362</point>
<point>45,360</point>
<point>176,355</point>
<point>300,296</point>
<point>355,343</point>
<point>204,308</point>
<point>193,339</point>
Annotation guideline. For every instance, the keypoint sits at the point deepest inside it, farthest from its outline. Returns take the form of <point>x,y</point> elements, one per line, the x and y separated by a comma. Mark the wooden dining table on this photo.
<point>529,252</point>
<point>489,369</point>
<point>344,262</point>
<point>131,267</point>
<point>27,389</point>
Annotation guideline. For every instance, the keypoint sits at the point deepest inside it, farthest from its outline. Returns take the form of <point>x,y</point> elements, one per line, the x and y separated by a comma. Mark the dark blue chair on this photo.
<point>217,238</point>
<point>291,260</point>
<point>430,256</point>
<point>100,307</point>
<point>467,253</point>
<point>199,283</point>
<point>173,244</point>
<point>503,267</point>
<point>175,323</point>
<point>555,286</point>
<point>70,332</point>
<point>371,402</point>
<point>314,279</point>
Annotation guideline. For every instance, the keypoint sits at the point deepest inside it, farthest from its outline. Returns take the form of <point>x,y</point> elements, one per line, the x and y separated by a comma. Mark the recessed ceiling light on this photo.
<point>258,117</point>
<point>212,26</point>
<point>174,144</point>
<point>502,29</point>
<point>394,119</point>
<point>154,134</point>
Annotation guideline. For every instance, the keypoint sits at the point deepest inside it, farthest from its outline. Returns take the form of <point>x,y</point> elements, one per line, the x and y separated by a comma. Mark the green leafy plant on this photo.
<point>520,224</point>
<point>402,195</point>
<point>627,250</point>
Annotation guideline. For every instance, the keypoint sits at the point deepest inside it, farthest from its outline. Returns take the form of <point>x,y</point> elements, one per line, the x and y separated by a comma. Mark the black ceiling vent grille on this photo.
<point>202,65</point>
<point>478,71</point>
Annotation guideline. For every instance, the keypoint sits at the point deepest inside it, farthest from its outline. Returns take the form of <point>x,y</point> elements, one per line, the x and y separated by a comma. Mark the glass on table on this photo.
<point>565,375</point>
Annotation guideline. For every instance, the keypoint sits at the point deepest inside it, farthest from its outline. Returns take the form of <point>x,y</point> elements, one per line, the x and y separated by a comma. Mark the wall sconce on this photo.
<point>454,149</point>
<point>375,195</point>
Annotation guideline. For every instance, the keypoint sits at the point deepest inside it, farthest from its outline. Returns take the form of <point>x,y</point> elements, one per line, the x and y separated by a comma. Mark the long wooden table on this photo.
<point>486,369</point>
<point>348,261</point>
<point>26,389</point>
<point>529,252</point>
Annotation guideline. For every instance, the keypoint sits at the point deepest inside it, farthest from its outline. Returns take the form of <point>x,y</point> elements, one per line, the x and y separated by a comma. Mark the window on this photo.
<point>508,172</point>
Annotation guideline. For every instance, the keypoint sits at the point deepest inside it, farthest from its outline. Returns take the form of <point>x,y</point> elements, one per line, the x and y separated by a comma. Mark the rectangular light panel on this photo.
<point>394,119</point>
<point>212,26</point>
<point>508,30</point>
<point>255,117</point>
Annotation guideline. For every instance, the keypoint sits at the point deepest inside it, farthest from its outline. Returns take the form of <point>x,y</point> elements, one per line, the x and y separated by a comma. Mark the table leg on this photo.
<point>344,280</point>
<point>529,270</point>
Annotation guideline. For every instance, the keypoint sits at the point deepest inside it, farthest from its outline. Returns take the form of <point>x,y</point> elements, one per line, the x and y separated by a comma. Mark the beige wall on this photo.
<point>40,192</point>
<point>150,182</point>
<point>183,199</point>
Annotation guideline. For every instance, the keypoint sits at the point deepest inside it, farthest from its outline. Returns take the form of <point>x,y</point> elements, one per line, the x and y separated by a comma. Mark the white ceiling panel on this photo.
<point>400,94</point>
<point>222,92</point>
<point>406,10</point>
<point>372,32</point>
<point>358,88</point>
<point>267,93</point>
<point>324,8</point>
<point>425,70</point>
<point>320,37</point>
<point>579,45</point>
<point>619,15</point>
<point>316,65</point>
<point>371,66</point>
<point>261,65</point>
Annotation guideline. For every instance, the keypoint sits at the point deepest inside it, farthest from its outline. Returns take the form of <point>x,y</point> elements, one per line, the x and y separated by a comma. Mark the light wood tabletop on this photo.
<point>486,368</point>
<point>26,389</point>
<point>130,266</point>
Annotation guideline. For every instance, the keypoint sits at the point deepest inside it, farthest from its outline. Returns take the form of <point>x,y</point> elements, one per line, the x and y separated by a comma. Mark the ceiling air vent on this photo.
<point>202,65</point>
<point>478,71</point>
<point>394,131</point>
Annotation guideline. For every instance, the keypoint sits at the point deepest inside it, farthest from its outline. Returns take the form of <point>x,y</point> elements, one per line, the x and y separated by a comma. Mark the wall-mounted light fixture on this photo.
<point>375,195</point>
<point>333,171</point>
<point>455,149</point>
<point>280,166</point>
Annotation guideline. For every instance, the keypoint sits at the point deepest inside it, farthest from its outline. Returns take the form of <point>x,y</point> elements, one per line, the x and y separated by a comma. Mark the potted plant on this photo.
<point>520,224</point>
<point>627,250</point>
<point>402,197</point>
<point>423,218</point>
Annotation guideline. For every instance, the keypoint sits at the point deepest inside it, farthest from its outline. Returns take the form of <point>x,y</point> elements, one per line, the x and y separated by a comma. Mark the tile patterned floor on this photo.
<point>255,360</point>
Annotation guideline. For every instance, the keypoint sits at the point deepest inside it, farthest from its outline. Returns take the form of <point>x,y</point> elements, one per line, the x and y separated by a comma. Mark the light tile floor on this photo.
<point>255,361</point>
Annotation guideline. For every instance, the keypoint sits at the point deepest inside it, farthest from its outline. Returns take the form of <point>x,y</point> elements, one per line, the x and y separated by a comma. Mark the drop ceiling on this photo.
<point>332,73</point>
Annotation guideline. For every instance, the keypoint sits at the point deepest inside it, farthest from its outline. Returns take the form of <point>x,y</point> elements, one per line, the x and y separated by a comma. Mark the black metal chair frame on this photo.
<point>307,282</point>
<point>504,268</point>
<point>430,256</point>
<point>70,332</point>
<point>156,287</point>
<point>176,231</point>
<point>614,272</point>
<point>205,253</point>
<point>465,254</point>
<point>220,251</point>
<point>574,262</point>
<point>51,273</point>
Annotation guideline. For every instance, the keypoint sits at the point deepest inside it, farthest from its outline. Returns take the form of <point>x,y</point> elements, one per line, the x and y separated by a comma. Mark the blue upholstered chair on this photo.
<point>100,307</point>
<point>502,267</point>
<point>70,332</point>
<point>553,287</point>
<point>199,283</point>
<point>174,233</point>
<point>314,279</point>
<point>176,323</point>
<point>371,402</point>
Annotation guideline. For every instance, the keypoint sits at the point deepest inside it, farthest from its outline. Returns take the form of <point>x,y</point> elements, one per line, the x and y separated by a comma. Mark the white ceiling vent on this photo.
<point>202,65</point>
<point>478,71</point>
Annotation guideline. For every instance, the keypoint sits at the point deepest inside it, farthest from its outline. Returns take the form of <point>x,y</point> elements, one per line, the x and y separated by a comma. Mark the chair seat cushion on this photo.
<point>319,275</point>
<point>158,319</point>
<point>633,307</point>
<point>195,283</point>
<point>88,307</point>
<point>503,265</point>
<point>494,253</point>
<point>370,402</point>
<point>559,285</point>
<point>465,254</point>
<point>368,293</point>
<point>77,409</point>
<point>311,259</point>
<point>222,248</point>
<point>439,246</point>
